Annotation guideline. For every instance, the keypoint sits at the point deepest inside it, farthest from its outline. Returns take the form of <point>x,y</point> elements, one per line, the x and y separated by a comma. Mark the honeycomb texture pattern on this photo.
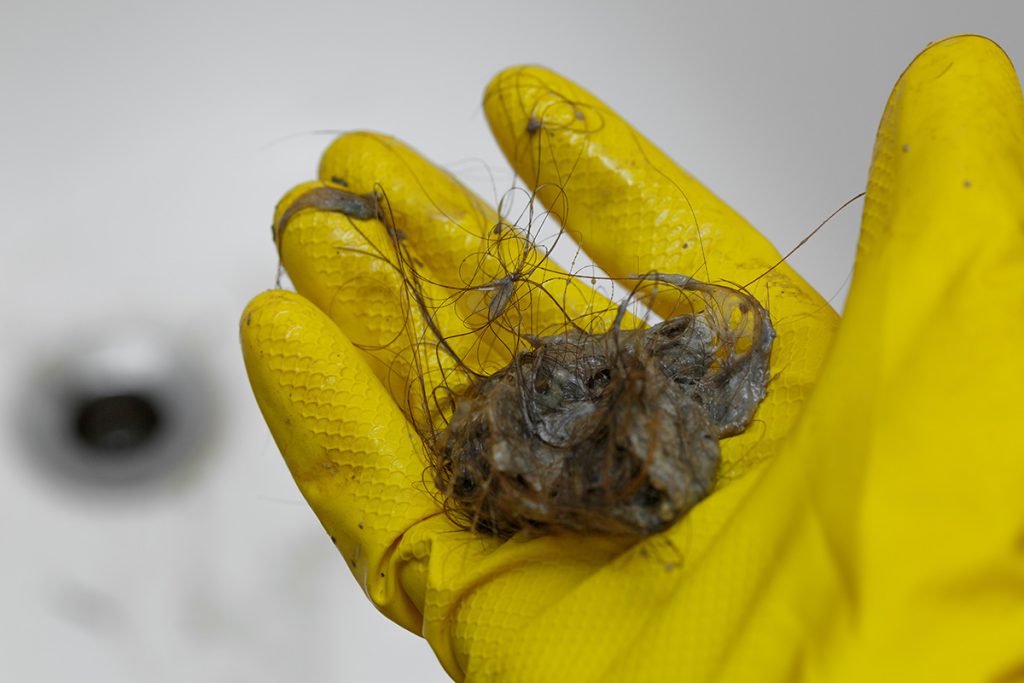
<point>308,379</point>
<point>346,267</point>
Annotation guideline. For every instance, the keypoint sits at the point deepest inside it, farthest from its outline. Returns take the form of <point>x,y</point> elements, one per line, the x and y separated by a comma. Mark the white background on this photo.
<point>142,149</point>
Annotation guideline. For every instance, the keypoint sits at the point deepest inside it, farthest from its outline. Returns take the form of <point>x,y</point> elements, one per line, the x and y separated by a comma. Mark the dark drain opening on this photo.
<point>116,424</point>
<point>123,409</point>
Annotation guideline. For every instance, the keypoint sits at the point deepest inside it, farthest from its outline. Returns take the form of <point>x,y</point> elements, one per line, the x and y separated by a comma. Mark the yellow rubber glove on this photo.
<point>870,523</point>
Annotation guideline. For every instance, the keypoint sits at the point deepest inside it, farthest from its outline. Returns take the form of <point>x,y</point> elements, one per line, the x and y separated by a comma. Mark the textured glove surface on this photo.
<point>869,525</point>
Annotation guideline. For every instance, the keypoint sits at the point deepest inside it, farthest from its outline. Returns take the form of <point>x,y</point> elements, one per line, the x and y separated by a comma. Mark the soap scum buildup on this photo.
<point>609,432</point>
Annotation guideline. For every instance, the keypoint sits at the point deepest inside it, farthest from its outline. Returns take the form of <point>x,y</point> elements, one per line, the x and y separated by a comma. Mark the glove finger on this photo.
<point>353,266</point>
<point>633,211</point>
<point>352,453</point>
<point>630,207</point>
<point>495,276</point>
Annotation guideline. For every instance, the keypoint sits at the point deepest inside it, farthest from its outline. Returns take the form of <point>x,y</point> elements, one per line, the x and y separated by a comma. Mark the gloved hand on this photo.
<point>869,524</point>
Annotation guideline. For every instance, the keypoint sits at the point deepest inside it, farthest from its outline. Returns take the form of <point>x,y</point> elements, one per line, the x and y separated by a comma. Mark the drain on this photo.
<point>124,408</point>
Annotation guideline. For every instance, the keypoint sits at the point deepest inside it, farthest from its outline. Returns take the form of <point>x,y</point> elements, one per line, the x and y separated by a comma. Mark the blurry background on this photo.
<point>148,526</point>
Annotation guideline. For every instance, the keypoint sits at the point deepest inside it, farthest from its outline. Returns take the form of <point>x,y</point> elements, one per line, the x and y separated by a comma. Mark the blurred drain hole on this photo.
<point>112,425</point>
<point>122,408</point>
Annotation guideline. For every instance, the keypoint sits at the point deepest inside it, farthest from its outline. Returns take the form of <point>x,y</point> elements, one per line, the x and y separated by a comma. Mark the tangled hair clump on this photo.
<point>611,433</point>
